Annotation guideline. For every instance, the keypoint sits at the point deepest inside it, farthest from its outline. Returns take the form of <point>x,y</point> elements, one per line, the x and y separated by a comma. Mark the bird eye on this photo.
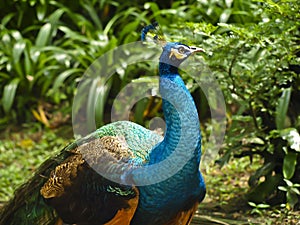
<point>181,50</point>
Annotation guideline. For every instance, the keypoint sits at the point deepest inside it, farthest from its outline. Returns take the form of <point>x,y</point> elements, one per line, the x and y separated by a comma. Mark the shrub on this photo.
<point>257,65</point>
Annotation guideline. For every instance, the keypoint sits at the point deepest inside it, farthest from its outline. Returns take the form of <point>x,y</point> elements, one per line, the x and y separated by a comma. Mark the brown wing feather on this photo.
<point>184,217</point>
<point>124,216</point>
<point>82,196</point>
<point>61,177</point>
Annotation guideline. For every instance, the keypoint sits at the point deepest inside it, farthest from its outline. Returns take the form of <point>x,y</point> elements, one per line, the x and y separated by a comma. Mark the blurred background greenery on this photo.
<point>252,50</point>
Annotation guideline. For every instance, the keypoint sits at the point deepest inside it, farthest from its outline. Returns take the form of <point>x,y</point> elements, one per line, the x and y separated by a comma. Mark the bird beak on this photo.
<point>196,49</point>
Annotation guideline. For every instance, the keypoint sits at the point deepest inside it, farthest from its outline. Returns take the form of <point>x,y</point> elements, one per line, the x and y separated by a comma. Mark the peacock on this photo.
<point>123,173</point>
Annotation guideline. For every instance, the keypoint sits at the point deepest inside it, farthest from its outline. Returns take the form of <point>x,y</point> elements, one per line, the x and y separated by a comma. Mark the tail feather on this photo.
<point>28,207</point>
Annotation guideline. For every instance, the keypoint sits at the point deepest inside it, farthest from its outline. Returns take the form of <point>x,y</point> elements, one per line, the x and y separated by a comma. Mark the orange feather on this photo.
<point>124,216</point>
<point>184,217</point>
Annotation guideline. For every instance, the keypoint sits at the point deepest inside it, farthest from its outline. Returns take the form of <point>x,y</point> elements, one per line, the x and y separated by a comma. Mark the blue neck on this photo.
<point>166,69</point>
<point>178,155</point>
<point>181,118</point>
<point>180,150</point>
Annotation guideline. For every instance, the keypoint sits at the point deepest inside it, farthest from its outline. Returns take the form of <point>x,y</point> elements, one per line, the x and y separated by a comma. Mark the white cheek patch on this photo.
<point>174,52</point>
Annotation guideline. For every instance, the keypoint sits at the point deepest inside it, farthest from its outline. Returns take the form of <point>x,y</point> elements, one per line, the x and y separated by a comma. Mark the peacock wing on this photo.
<point>69,178</point>
<point>139,140</point>
<point>81,195</point>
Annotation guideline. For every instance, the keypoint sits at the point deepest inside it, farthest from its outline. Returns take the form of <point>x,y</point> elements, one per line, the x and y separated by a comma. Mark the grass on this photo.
<point>23,150</point>
<point>226,200</point>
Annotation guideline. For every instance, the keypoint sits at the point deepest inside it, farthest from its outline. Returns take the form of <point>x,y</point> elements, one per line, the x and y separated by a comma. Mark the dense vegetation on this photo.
<point>253,49</point>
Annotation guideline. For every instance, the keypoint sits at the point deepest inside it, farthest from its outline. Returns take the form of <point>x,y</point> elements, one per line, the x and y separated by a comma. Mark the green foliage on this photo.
<point>257,67</point>
<point>45,52</point>
<point>292,193</point>
<point>282,107</point>
<point>47,45</point>
<point>257,208</point>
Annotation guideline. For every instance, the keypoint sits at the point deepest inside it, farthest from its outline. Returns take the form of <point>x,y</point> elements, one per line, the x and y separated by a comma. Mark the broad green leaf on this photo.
<point>47,83</point>
<point>225,15</point>
<point>289,165</point>
<point>140,107</point>
<point>263,206</point>
<point>55,16</point>
<point>44,35</point>
<point>4,75</point>
<point>282,188</point>
<point>242,118</point>
<point>110,24</point>
<point>101,99</point>
<point>228,3</point>
<point>252,204</point>
<point>50,48</point>
<point>91,103</point>
<point>292,199</point>
<point>59,81</point>
<point>41,11</point>
<point>93,14</point>
<point>7,18</point>
<point>18,49</point>
<point>288,182</point>
<point>72,34</point>
<point>282,108</point>
<point>81,98</point>
<point>16,35</point>
<point>6,42</point>
<point>151,5</point>
<point>295,190</point>
<point>129,28</point>
<point>28,60</point>
<point>9,93</point>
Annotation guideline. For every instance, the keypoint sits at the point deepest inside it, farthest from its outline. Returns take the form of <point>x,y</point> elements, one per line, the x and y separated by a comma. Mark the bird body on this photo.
<point>80,195</point>
<point>123,173</point>
<point>155,206</point>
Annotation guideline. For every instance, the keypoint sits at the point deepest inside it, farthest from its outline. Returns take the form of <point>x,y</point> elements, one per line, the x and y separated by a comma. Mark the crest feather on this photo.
<point>152,33</point>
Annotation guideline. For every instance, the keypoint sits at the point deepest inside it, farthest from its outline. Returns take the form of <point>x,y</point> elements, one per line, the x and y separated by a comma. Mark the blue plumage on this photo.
<point>161,202</point>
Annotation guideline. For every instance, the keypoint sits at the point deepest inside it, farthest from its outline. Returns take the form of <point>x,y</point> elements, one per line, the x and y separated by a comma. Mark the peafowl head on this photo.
<point>174,53</point>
